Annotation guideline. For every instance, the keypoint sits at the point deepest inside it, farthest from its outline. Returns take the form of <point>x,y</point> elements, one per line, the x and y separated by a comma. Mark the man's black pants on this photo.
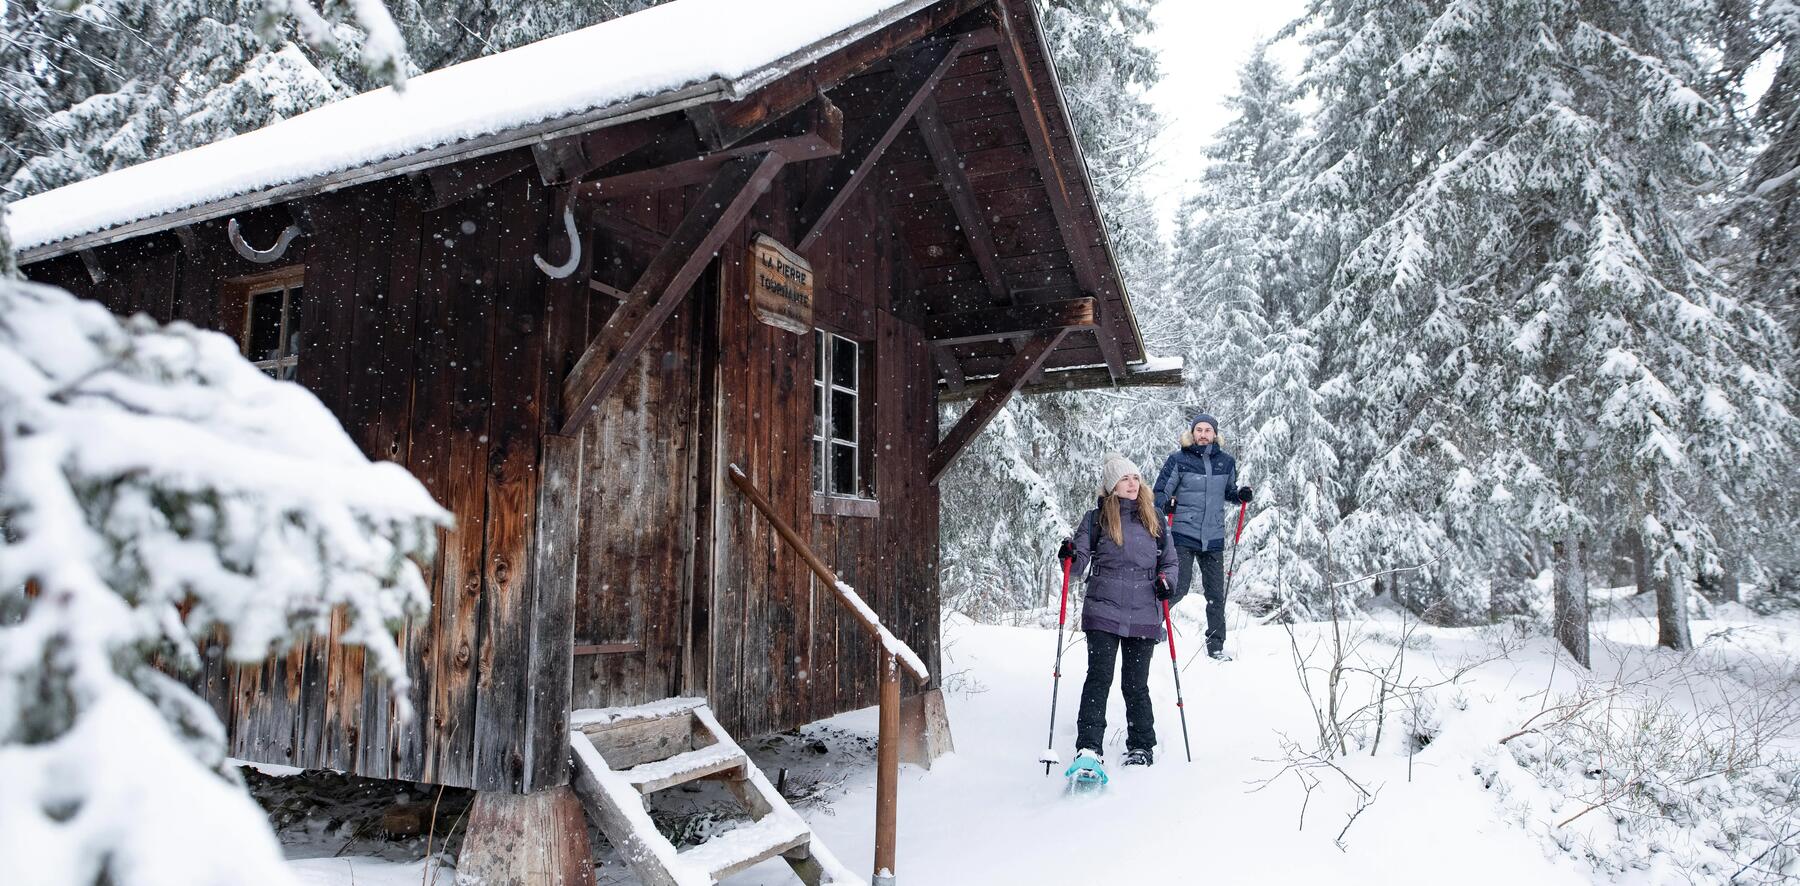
<point>1140,723</point>
<point>1212,581</point>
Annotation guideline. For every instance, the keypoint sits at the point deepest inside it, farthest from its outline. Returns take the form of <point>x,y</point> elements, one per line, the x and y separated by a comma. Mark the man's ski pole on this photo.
<point>1232,567</point>
<point>1176,669</point>
<point>1062,616</point>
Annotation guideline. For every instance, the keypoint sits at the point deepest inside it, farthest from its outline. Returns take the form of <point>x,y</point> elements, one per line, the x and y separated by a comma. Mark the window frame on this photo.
<point>827,499</point>
<point>238,301</point>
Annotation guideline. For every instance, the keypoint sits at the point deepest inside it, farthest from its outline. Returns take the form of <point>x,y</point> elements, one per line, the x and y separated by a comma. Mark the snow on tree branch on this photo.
<point>156,488</point>
<point>383,49</point>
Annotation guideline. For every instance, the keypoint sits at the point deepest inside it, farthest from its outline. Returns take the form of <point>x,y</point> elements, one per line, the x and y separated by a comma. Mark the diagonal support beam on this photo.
<point>962,198</point>
<point>1056,182</point>
<point>718,210</point>
<point>914,78</point>
<point>1024,364</point>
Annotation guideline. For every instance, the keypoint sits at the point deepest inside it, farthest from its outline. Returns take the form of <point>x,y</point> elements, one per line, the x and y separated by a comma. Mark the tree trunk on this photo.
<point>1671,612</point>
<point>1572,598</point>
<point>1640,561</point>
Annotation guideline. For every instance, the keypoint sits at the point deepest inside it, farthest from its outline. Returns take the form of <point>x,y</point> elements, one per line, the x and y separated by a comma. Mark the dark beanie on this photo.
<point>1204,417</point>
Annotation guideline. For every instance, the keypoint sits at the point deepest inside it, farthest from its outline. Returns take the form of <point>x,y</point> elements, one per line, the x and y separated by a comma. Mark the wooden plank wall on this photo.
<point>784,653</point>
<point>423,332</point>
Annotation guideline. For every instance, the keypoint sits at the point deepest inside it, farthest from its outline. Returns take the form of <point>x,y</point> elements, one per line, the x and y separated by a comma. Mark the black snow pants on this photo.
<point>1212,580</point>
<point>1090,723</point>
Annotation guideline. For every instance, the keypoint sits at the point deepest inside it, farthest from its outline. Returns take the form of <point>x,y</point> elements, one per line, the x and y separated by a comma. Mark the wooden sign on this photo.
<point>781,285</point>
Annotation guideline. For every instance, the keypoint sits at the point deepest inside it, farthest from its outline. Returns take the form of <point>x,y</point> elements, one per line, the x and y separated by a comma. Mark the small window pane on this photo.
<point>843,469</point>
<point>287,370</point>
<point>292,323</point>
<point>843,362</point>
<point>818,465</point>
<point>818,356</point>
<point>843,416</point>
<point>265,325</point>
<point>818,411</point>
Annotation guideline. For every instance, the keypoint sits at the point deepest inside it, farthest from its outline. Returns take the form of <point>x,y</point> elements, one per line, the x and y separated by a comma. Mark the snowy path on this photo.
<point>989,815</point>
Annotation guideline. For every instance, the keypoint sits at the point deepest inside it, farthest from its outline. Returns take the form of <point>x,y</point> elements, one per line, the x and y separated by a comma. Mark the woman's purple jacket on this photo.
<point>1121,591</point>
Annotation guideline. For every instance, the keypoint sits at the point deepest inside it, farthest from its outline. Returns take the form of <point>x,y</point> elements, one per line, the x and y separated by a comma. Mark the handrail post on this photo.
<point>887,773</point>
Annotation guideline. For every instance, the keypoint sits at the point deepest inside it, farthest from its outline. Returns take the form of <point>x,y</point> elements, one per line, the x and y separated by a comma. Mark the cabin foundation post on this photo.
<point>535,839</point>
<point>924,728</point>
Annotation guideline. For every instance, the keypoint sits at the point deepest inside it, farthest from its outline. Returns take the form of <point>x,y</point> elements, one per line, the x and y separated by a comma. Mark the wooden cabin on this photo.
<point>569,303</point>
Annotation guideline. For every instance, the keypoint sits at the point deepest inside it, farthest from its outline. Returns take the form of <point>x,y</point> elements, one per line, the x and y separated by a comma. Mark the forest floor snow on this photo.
<point>1447,794</point>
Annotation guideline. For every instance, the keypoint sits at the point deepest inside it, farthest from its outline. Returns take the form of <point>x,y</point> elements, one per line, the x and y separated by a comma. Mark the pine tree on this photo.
<point>1518,300</point>
<point>121,551</point>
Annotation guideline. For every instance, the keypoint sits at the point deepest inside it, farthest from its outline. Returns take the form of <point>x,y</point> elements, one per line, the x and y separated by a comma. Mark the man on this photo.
<point>1194,486</point>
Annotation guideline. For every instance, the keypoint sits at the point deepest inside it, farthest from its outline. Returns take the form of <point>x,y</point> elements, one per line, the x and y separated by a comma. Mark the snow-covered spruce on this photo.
<point>1524,344</point>
<point>154,488</point>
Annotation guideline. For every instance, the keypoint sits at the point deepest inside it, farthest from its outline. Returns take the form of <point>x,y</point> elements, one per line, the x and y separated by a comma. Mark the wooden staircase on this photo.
<point>622,755</point>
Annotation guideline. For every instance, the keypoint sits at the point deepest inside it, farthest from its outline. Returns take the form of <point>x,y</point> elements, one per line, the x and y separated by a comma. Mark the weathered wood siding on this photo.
<point>422,331</point>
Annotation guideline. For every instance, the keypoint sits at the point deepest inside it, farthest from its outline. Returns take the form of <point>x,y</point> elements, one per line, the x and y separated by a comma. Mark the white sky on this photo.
<point>1201,44</point>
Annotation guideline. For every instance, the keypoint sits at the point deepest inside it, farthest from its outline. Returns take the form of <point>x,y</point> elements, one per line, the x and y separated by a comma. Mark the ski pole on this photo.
<point>1056,677</point>
<point>1226,591</point>
<point>1176,669</point>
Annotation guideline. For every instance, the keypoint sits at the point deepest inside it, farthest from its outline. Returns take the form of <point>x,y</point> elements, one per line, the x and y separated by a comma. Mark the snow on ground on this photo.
<point>1462,804</point>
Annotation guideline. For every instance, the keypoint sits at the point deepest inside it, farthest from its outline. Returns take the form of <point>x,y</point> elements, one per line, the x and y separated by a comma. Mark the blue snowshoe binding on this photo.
<point>1087,773</point>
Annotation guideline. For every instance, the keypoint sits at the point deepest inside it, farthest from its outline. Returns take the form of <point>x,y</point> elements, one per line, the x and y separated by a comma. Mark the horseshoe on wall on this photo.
<point>557,272</point>
<point>262,256</point>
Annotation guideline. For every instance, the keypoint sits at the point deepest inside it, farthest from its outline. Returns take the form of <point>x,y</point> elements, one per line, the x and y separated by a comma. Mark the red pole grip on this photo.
<point>1240,527</point>
<point>1170,627</point>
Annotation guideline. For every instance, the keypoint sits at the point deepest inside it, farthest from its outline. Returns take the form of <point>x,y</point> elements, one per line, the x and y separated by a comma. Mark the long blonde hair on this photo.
<point>1109,515</point>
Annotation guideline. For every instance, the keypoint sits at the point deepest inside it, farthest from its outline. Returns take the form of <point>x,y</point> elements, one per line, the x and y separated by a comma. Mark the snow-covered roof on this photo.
<point>681,53</point>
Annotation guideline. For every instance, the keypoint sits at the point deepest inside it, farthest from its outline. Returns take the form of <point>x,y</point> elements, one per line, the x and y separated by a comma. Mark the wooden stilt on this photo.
<point>526,840</point>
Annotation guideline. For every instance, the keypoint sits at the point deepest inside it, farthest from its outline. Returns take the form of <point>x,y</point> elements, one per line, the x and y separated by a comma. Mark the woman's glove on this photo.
<point>1163,591</point>
<point>1067,551</point>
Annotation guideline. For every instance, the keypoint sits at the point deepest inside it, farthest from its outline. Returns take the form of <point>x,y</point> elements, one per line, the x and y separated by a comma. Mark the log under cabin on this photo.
<point>569,294</point>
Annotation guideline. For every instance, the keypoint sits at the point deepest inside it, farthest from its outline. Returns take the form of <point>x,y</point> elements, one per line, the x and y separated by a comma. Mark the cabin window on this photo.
<point>264,312</point>
<point>272,331</point>
<point>839,417</point>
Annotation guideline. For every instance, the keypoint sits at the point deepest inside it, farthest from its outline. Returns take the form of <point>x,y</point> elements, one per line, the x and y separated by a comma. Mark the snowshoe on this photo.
<point>1139,757</point>
<point>1087,773</point>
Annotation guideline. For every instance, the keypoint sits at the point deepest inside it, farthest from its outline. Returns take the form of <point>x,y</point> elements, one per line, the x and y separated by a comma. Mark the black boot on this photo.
<point>1139,757</point>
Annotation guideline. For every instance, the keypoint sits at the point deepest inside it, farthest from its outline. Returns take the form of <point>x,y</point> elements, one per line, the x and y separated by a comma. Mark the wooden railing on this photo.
<point>894,654</point>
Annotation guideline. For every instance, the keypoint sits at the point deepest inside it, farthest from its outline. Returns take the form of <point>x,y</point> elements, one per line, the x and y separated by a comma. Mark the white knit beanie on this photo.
<point>1113,468</point>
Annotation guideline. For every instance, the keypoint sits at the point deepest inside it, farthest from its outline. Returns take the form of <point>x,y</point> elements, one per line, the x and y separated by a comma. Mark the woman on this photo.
<point>1132,559</point>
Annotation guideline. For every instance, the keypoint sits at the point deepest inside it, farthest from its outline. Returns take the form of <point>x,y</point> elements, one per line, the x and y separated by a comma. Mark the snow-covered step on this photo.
<point>686,767</point>
<point>727,853</point>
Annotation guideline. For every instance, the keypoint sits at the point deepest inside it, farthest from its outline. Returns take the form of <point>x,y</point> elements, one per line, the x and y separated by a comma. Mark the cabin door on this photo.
<point>635,554</point>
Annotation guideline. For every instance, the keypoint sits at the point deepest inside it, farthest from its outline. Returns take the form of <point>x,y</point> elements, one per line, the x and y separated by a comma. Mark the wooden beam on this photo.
<point>679,159</point>
<point>1056,183</point>
<point>949,368</point>
<point>985,407</point>
<point>1009,322</point>
<point>442,186</point>
<point>725,202</point>
<point>1086,378</point>
<point>914,78</point>
<point>955,182</point>
<point>724,124</point>
<point>572,158</point>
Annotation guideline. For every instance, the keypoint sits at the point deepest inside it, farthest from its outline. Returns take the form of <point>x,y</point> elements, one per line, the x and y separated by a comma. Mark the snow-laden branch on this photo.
<point>157,489</point>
